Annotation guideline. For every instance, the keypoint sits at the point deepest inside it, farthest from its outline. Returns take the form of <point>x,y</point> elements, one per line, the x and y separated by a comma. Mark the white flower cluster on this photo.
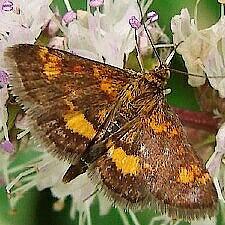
<point>20,23</point>
<point>203,51</point>
<point>105,34</point>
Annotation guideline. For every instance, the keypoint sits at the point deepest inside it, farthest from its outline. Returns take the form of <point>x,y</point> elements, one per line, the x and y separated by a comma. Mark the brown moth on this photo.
<point>115,124</point>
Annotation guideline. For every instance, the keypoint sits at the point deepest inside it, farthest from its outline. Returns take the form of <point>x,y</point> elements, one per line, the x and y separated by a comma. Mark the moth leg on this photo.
<point>124,60</point>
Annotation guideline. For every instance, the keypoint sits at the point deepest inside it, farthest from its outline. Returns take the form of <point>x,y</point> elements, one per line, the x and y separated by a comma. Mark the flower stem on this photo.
<point>196,13</point>
<point>199,120</point>
<point>222,10</point>
<point>134,218</point>
<point>88,213</point>
<point>123,216</point>
<point>68,6</point>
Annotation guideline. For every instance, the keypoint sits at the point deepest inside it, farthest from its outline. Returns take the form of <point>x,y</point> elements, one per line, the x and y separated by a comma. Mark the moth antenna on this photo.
<point>138,52</point>
<point>149,35</point>
<point>185,73</point>
<point>169,58</point>
<point>193,74</point>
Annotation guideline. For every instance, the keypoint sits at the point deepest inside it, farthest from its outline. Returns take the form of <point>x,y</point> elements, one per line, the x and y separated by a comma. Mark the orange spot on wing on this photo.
<point>77,122</point>
<point>52,64</point>
<point>158,128</point>
<point>192,174</point>
<point>173,132</point>
<point>160,125</point>
<point>186,175</point>
<point>128,164</point>
<point>107,86</point>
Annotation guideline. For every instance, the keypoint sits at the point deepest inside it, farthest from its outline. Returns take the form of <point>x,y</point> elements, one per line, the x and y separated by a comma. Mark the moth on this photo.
<point>114,124</point>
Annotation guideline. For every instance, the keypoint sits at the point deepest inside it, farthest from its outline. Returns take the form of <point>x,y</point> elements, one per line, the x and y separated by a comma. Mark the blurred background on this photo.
<point>35,208</point>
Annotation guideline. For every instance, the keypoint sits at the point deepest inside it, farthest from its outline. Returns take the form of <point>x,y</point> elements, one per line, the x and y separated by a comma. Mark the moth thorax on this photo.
<point>158,76</point>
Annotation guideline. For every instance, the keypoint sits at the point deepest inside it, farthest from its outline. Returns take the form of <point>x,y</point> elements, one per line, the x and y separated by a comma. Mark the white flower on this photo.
<point>193,45</point>
<point>211,221</point>
<point>202,50</point>
<point>214,63</point>
<point>50,174</point>
<point>215,164</point>
<point>182,26</point>
<point>58,43</point>
<point>105,35</point>
<point>23,23</point>
<point>20,23</point>
<point>158,37</point>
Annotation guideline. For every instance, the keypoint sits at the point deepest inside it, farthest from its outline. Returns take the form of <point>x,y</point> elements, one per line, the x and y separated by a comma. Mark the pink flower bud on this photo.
<point>4,78</point>
<point>96,3</point>
<point>7,6</point>
<point>69,17</point>
<point>7,146</point>
<point>152,16</point>
<point>134,23</point>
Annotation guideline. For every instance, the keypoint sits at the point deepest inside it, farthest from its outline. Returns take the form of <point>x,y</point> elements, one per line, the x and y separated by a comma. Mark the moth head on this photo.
<point>158,76</point>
